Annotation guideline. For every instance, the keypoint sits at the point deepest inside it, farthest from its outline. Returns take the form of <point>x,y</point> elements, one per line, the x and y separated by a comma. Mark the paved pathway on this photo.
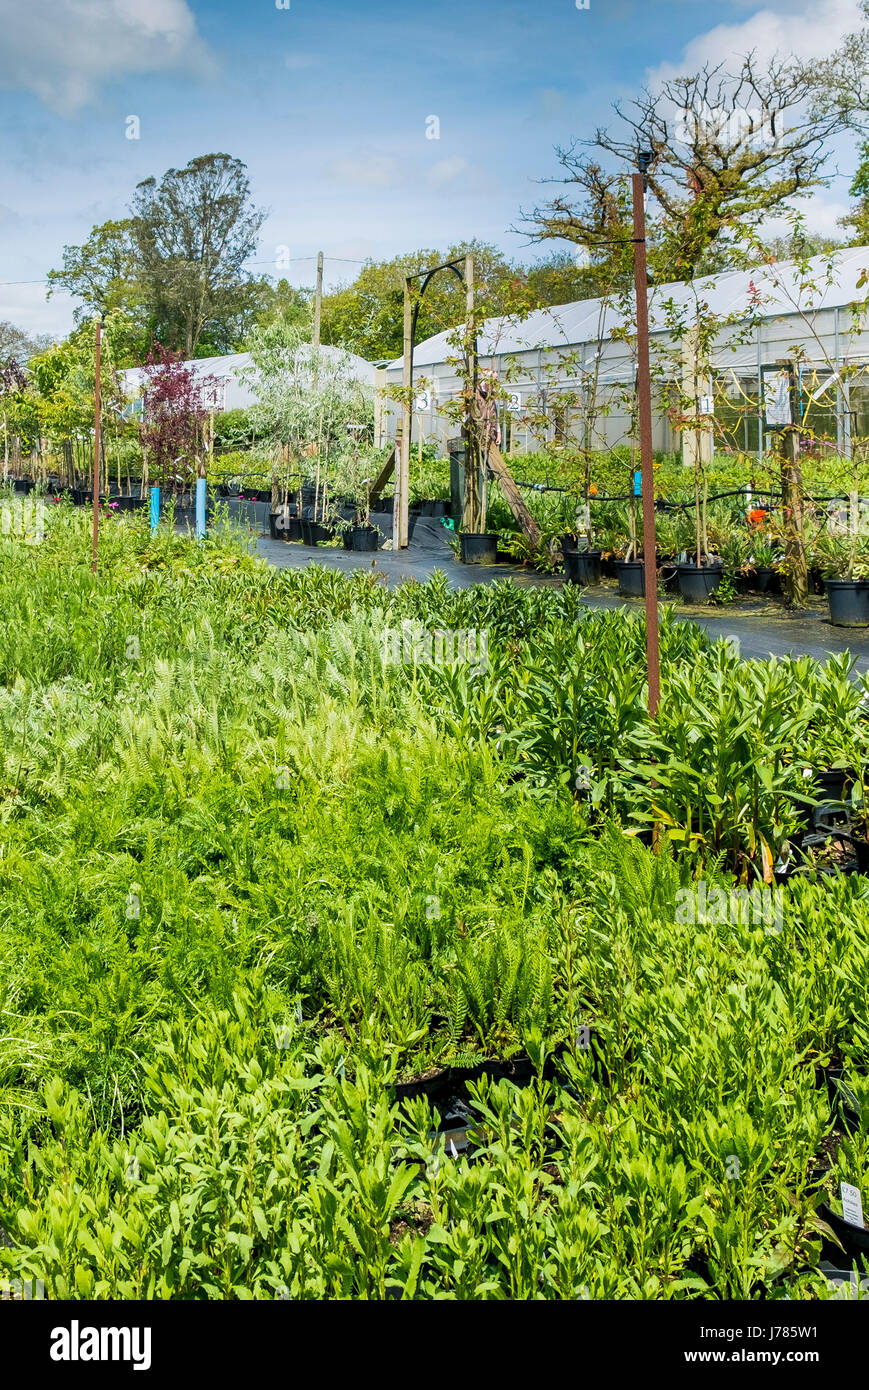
<point>777,635</point>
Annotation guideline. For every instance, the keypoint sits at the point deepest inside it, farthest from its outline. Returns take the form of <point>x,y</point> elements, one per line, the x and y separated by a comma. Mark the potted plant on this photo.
<point>763,564</point>
<point>700,577</point>
<point>844,561</point>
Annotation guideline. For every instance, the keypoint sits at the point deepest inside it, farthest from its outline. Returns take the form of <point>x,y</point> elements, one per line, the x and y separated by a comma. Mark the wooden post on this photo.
<point>471,520</point>
<point>402,473</point>
<point>383,476</point>
<point>318,300</point>
<point>644,407</point>
<point>97,442</point>
<point>512,495</point>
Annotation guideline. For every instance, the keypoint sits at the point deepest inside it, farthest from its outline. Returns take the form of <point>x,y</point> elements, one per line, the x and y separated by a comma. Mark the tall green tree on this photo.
<point>104,273</point>
<point>856,224</point>
<point>193,232</point>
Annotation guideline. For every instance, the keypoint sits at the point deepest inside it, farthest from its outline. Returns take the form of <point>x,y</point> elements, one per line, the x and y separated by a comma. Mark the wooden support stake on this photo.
<point>512,495</point>
<point>383,476</point>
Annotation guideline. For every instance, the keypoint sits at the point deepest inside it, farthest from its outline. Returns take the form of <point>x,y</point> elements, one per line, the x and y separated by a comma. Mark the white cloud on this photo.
<point>367,171</point>
<point>807,29</point>
<point>447,171</point>
<point>65,50</point>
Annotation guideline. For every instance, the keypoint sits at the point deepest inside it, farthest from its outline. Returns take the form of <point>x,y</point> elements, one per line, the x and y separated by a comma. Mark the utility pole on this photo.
<point>318,300</point>
<point>644,406</point>
<point>96,445</point>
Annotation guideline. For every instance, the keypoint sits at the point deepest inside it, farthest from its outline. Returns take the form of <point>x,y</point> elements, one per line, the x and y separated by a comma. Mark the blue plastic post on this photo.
<point>200,508</point>
<point>155,509</point>
<point>638,483</point>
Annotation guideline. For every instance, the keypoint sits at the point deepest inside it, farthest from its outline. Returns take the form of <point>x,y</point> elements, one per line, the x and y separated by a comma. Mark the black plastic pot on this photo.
<point>82,497</point>
<point>582,566</point>
<point>293,531</point>
<point>364,538</point>
<point>830,785</point>
<point>23,485</point>
<point>608,566</point>
<point>855,1240</point>
<point>120,503</point>
<point>765,579</point>
<point>631,575</point>
<point>278,525</point>
<point>697,582</point>
<point>313,533</point>
<point>849,602</point>
<point>478,548</point>
<point>669,574</point>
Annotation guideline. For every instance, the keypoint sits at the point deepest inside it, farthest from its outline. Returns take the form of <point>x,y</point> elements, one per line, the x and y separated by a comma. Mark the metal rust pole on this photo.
<point>644,406</point>
<point>96,446</point>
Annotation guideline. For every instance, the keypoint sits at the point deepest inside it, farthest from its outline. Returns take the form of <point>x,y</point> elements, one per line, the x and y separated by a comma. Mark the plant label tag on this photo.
<point>852,1204</point>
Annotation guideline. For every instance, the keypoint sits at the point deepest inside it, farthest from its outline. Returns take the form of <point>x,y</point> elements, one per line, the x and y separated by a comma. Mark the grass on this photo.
<point>251,877</point>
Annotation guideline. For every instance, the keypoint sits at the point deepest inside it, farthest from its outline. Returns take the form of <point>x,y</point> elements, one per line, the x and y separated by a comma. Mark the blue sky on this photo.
<point>327,102</point>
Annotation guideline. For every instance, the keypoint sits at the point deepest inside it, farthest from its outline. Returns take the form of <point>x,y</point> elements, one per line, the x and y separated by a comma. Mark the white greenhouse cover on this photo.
<point>236,392</point>
<point>785,296</point>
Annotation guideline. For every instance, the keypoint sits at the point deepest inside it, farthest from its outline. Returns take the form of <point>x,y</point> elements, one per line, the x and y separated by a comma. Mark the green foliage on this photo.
<point>252,875</point>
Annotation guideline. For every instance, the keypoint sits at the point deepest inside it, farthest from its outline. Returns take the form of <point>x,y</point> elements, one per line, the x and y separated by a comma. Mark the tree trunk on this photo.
<point>796,579</point>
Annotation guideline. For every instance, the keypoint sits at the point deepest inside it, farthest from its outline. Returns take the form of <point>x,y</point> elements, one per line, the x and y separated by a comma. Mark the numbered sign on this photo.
<point>514,402</point>
<point>422,404</point>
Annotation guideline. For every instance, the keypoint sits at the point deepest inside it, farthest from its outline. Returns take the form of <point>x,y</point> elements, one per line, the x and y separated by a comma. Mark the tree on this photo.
<point>193,232</point>
<point>105,273</point>
<point>177,402</point>
<point>560,278</point>
<point>283,301</point>
<point>16,342</point>
<point>309,402</point>
<point>857,220</point>
<point>600,223</point>
<point>728,149</point>
<point>366,317</point>
<point>840,83</point>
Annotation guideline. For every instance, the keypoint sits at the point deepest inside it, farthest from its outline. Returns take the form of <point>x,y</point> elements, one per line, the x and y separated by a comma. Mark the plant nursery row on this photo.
<point>342,959</point>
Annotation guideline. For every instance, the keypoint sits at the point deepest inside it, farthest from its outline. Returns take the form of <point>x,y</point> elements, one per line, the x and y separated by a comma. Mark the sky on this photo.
<point>330,104</point>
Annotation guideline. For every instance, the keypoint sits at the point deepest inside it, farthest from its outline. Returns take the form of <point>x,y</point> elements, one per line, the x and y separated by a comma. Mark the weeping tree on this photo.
<point>312,406</point>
